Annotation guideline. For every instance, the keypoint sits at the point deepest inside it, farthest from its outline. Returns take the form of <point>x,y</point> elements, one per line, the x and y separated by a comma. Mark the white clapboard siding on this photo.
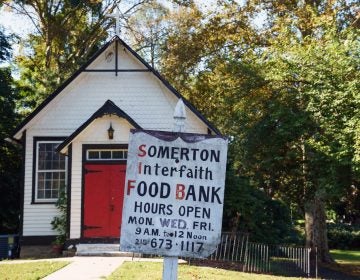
<point>139,94</point>
<point>37,217</point>
<point>96,133</point>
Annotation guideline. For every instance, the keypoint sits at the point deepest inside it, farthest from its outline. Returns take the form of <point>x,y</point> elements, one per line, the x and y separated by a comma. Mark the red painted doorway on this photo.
<point>103,200</point>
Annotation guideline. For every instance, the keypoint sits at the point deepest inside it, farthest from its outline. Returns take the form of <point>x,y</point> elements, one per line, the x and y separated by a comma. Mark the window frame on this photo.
<point>37,141</point>
<point>86,147</point>
<point>110,150</point>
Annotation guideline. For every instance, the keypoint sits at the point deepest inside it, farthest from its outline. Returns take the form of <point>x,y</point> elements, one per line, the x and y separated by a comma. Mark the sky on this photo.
<point>13,23</point>
<point>20,25</point>
<point>16,24</point>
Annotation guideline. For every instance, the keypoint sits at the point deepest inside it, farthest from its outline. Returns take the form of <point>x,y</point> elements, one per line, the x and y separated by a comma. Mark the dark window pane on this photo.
<point>48,184</point>
<point>48,194</point>
<point>40,194</point>
<point>42,147</point>
<point>56,165</point>
<point>118,154</point>
<point>41,176</point>
<point>62,164</point>
<point>42,155</point>
<point>41,184</point>
<point>93,154</point>
<point>48,155</point>
<point>55,156</point>
<point>105,154</point>
<point>42,165</point>
<point>55,194</point>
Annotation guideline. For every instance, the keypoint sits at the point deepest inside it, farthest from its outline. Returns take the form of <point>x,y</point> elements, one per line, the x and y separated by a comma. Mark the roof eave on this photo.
<point>23,125</point>
<point>18,130</point>
<point>109,108</point>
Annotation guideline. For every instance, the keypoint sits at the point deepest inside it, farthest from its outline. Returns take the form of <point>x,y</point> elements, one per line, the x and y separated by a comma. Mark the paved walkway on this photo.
<point>88,268</point>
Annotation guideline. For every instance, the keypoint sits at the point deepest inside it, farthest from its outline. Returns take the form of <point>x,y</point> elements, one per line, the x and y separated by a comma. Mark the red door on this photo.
<point>103,200</point>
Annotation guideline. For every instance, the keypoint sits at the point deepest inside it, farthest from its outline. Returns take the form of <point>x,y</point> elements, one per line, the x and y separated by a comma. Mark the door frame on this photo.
<point>85,148</point>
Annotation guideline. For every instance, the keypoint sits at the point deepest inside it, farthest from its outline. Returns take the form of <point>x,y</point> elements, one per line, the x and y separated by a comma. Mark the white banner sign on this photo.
<point>174,193</point>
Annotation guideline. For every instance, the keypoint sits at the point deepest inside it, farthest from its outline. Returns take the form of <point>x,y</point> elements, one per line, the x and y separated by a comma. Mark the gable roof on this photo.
<point>115,39</point>
<point>109,108</point>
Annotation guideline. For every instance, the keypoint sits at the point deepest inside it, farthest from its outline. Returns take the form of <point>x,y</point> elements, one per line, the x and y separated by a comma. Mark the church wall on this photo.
<point>139,94</point>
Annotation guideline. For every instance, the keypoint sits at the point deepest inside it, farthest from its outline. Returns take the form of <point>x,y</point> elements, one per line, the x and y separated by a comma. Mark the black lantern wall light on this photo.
<point>110,132</point>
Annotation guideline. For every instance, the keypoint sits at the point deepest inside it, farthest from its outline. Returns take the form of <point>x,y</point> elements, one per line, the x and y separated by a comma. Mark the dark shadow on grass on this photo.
<point>217,264</point>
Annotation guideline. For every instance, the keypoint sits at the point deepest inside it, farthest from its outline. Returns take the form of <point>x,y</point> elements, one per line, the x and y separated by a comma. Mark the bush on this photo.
<point>247,209</point>
<point>343,236</point>
<point>59,222</point>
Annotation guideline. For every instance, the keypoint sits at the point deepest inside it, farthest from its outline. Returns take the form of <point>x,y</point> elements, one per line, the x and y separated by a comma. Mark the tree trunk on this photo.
<point>315,229</point>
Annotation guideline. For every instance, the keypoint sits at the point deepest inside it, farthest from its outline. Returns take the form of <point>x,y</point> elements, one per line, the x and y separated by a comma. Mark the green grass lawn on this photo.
<point>29,270</point>
<point>152,270</point>
<point>346,256</point>
<point>347,261</point>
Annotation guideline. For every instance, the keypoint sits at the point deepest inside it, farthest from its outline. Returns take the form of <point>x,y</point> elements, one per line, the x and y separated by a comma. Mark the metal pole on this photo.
<point>267,260</point>
<point>225,249</point>
<point>233,249</point>
<point>308,261</point>
<point>245,257</point>
<point>170,269</point>
<point>316,263</point>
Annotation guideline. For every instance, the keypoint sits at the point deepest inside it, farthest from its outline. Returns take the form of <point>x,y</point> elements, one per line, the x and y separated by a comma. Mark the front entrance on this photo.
<point>103,199</point>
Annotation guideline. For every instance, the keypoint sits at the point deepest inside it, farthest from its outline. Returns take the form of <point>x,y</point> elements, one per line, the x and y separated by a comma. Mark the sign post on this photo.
<point>174,194</point>
<point>170,266</point>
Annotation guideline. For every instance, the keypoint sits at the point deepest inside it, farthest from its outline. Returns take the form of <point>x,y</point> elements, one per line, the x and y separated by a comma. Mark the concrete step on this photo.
<point>102,250</point>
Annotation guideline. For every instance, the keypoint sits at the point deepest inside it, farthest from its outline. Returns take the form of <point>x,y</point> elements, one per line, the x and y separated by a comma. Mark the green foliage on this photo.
<point>68,33</point>
<point>59,222</point>
<point>342,236</point>
<point>287,92</point>
<point>4,46</point>
<point>10,160</point>
<point>250,210</point>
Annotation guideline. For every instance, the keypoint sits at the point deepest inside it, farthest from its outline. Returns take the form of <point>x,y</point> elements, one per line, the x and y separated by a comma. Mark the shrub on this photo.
<point>343,236</point>
<point>59,222</point>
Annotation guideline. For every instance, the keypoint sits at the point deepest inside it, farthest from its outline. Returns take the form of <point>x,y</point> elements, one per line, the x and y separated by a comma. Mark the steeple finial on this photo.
<point>116,16</point>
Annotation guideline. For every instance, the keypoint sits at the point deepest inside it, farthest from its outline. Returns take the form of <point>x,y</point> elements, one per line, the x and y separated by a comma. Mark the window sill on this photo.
<point>43,202</point>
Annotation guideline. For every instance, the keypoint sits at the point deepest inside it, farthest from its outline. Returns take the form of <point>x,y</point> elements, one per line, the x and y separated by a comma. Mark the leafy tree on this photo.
<point>251,211</point>
<point>10,161</point>
<point>195,40</point>
<point>147,30</point>
<point>323,75</point>
<point>67,34</point>
<point>287,95</point>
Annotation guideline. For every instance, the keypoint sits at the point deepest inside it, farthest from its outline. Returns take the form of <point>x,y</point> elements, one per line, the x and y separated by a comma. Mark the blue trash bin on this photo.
<point>3,247</point>
<point>9,246</point>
